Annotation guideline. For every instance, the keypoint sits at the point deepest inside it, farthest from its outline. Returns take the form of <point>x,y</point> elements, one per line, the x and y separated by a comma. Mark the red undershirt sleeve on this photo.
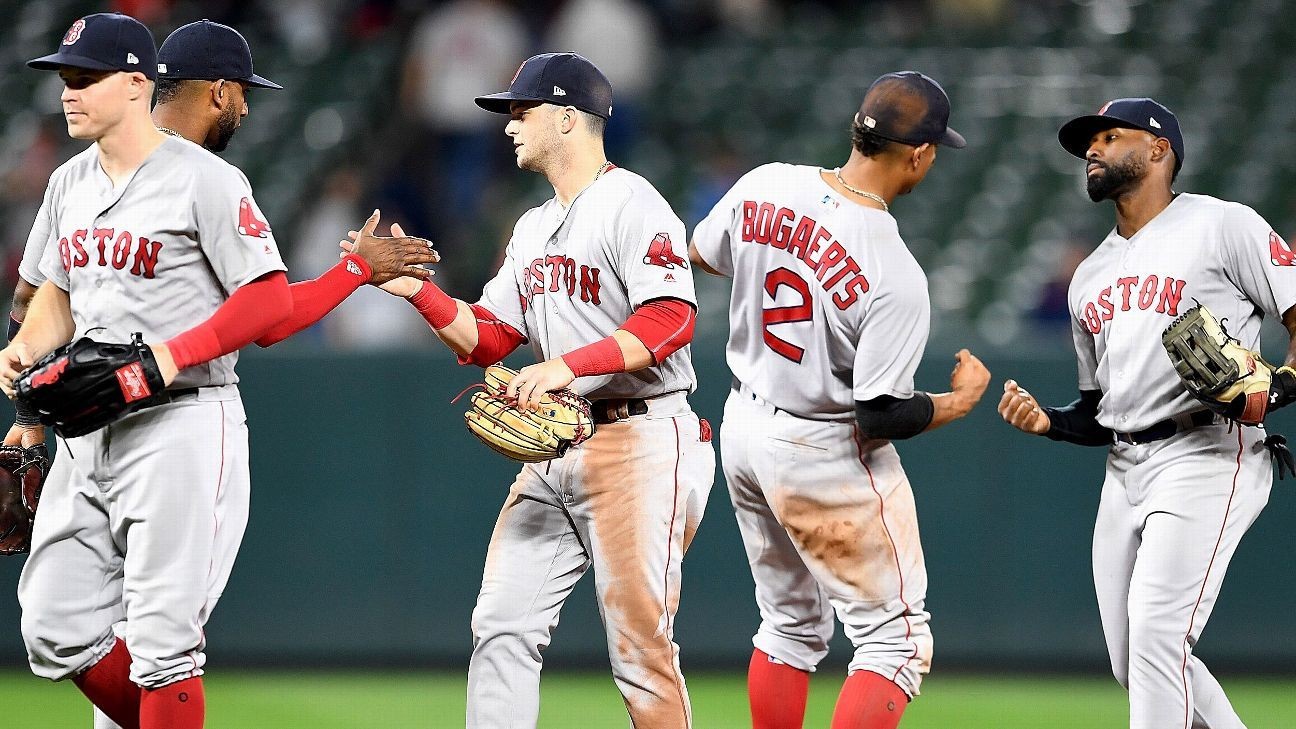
<point>663,325</point>
<point>312,300</point>
<point>247,314</point>
<point>495,339</point>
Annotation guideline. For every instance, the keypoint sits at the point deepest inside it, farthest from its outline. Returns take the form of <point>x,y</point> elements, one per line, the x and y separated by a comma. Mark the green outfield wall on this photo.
<point>372,506</point>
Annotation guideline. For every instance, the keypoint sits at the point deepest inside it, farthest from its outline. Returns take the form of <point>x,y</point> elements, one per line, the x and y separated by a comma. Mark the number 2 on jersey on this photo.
<point>803,311</point>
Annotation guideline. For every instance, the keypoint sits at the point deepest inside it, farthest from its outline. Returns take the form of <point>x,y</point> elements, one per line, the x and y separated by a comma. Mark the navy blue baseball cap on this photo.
<point>208,51</point>
<point>104,42</point>
<point>565,79</point>
<point>1144,114</point>
<point>910,108</point>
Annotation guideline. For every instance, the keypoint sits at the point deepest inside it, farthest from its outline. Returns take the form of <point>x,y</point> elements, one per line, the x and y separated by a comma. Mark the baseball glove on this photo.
<point>562,421</point>
<point>22,476</point>
<point>1230,379</point>
<point>85,385</point>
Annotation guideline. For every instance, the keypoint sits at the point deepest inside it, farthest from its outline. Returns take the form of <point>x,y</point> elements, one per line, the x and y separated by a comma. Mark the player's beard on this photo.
<point>226,124</point>
<point>1115,178</point>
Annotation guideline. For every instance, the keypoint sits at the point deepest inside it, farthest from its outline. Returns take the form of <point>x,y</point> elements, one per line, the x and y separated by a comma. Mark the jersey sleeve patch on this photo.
<point>249,223</point>
<point>661,253</point>
<point>1280,254</point>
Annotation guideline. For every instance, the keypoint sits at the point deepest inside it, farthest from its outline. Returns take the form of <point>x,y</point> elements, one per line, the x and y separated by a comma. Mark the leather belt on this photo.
<point>612,410</point>
<point>1166,428</point>
<point>170,396</point>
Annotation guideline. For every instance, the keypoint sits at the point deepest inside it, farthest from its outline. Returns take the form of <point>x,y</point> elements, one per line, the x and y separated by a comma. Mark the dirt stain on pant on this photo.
<point>850,536</point>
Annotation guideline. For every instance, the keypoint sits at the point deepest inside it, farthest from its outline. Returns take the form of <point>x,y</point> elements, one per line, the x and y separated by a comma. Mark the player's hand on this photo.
<point>390,257</point>
<point>1019,409</point>
<point>13,360</point>
<point>166,363</point>
<point>25,436</point>
<point>969,379</point>
<point>530,383</point>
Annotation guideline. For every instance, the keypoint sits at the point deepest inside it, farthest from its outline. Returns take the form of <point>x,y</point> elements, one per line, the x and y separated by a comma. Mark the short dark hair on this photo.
<point>168,89</point>
<point>866,142</point>
<point>594,123</point>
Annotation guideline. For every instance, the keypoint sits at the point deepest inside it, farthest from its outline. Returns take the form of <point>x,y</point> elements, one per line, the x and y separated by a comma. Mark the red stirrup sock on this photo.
<point>869,701</point>
<point>108,686</point>
<point>180,705</point>
<point>777,692</point>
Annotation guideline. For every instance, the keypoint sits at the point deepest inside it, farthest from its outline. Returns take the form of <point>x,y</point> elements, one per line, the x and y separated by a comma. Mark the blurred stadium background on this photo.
<point>372,506</point>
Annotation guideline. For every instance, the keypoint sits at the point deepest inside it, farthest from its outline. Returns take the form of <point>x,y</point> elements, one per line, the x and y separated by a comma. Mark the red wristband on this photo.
<point>603,357</point>
<point>435,305</point>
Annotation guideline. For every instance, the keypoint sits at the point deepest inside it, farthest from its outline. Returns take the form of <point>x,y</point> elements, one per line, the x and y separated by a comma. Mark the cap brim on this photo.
<point>500,103</point>
<point>55,61</point>
<point>1075,134</point>
<point>953,139</point>
<point>260,82</point>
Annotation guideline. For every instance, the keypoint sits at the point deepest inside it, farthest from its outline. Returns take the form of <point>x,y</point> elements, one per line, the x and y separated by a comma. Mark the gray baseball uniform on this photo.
<point>34,250</point>
<point>156,254</point>
<point>626,501</point>
<point>828,307</point>
<point>1172,511</point>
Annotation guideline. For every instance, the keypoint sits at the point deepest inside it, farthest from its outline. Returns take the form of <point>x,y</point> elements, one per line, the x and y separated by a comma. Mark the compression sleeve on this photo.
<point>1078,422</point>
<point>495,339</point>
<point>312,300</point>
<point>246,315</point>
<point>891,418</point>
<point>663,326</point>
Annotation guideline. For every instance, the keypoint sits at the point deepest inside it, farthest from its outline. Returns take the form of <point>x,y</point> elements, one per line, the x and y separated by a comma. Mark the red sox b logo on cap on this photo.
<point>1104,108</point>
<point>74,33</point>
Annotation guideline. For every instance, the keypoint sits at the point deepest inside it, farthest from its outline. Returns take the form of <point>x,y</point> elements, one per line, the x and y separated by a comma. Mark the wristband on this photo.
<point>435,305</point>
<point>603,357</point>
<point>14,326</point>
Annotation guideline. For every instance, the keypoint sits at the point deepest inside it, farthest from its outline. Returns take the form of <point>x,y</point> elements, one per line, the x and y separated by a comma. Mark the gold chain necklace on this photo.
<point>170,132</point>
<point>874,197</point>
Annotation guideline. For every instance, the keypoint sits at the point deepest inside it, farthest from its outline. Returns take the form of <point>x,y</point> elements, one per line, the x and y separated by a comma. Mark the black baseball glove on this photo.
<point>85,385</point>
<point>22,476</point>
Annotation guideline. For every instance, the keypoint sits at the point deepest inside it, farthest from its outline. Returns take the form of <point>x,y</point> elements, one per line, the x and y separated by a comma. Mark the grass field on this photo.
<point>435,700</point>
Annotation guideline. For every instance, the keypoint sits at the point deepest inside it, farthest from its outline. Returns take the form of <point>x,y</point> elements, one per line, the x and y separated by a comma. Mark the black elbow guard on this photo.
<point>890,418</point>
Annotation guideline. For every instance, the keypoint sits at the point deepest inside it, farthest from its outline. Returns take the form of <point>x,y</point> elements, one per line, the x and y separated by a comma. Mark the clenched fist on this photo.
<point>1019,409</point>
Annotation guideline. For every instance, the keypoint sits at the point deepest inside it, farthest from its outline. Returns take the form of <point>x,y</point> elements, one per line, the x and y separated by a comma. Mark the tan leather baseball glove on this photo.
<point>562,421</point>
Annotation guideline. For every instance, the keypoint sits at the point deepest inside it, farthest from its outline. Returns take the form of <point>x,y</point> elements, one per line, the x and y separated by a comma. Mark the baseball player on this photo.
<point>592,281</point>
<point>829,318</point>
<point>204,73</point>
<point>147,233</point>
<point>1181,486</point>
<point>205,70</point>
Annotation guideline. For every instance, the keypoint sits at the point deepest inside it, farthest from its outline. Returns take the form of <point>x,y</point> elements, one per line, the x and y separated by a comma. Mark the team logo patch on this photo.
<point>354,268</point>
<point>660,253</point>
<point>827,201</point>
<point>249,224</point>
<point>50,374</point>
<point>1280,254</point>
<point>74,33</point>
<point>133,385</point>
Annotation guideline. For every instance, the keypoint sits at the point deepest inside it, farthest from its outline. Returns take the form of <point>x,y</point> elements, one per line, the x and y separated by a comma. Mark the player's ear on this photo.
<point>139,85</point>
<point>915,157</point>
<point>1160,149</point>
<point>218,93</point>
<point>568,120</point>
